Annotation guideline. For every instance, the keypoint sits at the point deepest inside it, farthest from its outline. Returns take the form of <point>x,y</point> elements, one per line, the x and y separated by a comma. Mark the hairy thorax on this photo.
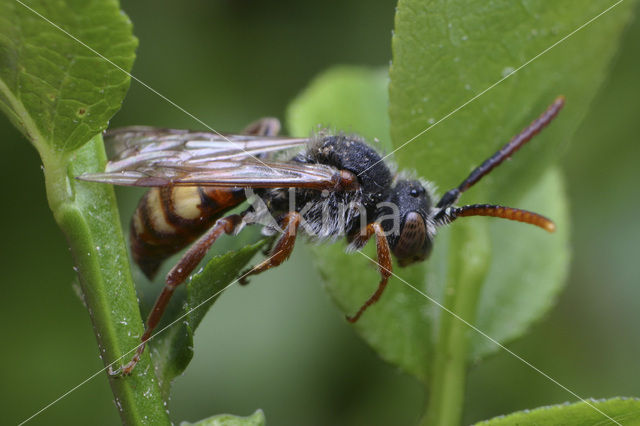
<point>327,214</point>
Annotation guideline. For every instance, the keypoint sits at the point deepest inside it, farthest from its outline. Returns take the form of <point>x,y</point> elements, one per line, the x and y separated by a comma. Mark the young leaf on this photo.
<point>625,411</point>
<point>56,90</point>
<point>172,350</point>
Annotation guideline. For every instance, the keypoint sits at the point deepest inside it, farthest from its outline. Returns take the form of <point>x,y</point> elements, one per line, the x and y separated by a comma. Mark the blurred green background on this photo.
<point>280,344</point>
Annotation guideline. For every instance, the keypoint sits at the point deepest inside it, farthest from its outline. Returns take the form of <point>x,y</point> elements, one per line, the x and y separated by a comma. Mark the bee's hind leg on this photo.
<point>178,274</point>
<point>282,249</point>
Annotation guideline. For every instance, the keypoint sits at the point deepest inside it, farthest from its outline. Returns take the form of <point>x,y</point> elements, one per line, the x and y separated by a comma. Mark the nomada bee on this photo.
<point>335,186</point>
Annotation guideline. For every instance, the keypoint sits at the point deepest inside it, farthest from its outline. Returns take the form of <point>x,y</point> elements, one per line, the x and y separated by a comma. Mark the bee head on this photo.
<point>405,218</point>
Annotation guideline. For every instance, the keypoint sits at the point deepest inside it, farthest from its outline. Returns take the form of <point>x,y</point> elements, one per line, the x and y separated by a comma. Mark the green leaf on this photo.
<point>173,349</point>
<point>60,95</point>
<point>447,52</point>
<point>256,419</point>
<point>350,99</point>
<point>528,267</point>
<point>625,411</point>
<point>55,90</point>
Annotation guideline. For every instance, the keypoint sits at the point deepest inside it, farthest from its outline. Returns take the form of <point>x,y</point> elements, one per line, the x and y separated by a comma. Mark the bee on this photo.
<point>335,186</point>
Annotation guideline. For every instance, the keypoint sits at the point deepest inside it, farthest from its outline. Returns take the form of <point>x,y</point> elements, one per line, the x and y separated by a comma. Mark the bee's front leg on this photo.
<point>283,248</point>
<point>384,265</point>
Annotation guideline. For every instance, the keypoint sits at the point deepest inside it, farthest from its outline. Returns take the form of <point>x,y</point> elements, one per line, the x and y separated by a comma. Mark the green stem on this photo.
<point>87,214</point>
<point>468,267</point>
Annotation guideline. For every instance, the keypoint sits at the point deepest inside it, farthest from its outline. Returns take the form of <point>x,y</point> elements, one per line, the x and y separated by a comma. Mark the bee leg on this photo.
<point>177,276</point>
<point>282,250</point>
<point>267,126</point>
<point>384,265</point>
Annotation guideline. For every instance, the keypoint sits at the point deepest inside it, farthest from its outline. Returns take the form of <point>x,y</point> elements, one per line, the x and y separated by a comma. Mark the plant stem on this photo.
<point>87,214</point>
<point>468,267</point>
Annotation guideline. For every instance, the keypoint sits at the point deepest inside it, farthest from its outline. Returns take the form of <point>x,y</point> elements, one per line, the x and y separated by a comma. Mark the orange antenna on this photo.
<point>448,213</point>
<point>452,213</point>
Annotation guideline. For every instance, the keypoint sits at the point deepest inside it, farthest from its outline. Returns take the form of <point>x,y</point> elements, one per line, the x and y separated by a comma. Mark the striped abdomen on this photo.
<point>170,218</point>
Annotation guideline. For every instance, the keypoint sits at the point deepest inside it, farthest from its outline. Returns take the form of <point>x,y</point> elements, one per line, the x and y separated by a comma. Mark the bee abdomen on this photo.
<point>170,218</point>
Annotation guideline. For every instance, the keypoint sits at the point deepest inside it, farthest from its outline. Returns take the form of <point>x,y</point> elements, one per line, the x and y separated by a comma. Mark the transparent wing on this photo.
<point>146,156</point>
<point>247,173</point>
<point>137,144</point>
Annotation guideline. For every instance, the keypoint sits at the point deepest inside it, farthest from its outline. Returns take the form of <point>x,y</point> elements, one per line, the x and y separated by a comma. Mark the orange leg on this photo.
<point>282,250</point>
<point>384,266</point>
<point>178,274</point>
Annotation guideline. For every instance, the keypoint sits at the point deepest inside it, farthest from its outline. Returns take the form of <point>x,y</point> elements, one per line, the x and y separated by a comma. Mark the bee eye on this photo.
<point>415,192</point>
